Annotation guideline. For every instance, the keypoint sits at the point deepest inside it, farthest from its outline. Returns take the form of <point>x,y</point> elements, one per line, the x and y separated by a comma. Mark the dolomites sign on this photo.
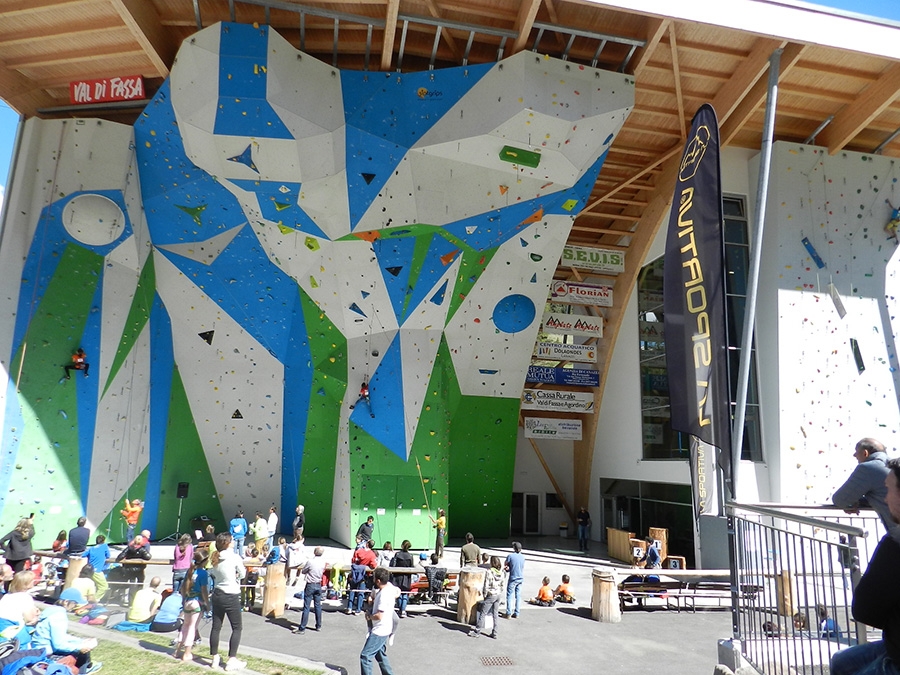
<point>573,324</point>
<point>563,352</point>
<point>559,401</point>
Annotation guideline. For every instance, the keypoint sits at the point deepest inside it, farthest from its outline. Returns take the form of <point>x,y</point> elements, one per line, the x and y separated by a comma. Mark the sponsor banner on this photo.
<point>579,377</point>
<point>648,402</point>
<point>107,89</point>
<point>694,309</point>
<point>648,300</point>
<point>581,294</point>
<point>653,434</point>
<point>553,428</point>
<point>594,259</point>
<point>573,324</point>
<point>561,352</point>
<point>560,401</point>
<point>652,331</point>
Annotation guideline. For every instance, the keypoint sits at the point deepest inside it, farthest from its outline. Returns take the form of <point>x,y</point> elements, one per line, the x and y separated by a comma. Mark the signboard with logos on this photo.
<point>581,294</point>
<point>579,377</point>
<point>594,259</point>
<point>553,428</point>
<point>107,90</point>
<point>559,401</point>
<point>573,324</point>
<point>561,352</point>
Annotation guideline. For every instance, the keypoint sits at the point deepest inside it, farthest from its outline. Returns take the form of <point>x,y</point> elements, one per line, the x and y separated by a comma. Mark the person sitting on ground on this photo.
<point>85,584</point>
<point>799,620</point>
<point>51,633</point>
<point>17,607</point>
<point>145,603</point>
<point>7,573</point>
<point>168,618</point>
<point>563,592</point>
<point>828,627</point>
<point>97,558</point>
<point>544,597</point>
<point>436,577</point>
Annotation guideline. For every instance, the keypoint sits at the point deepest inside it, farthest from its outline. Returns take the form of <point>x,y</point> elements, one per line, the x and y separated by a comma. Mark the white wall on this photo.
<point>531,477</point>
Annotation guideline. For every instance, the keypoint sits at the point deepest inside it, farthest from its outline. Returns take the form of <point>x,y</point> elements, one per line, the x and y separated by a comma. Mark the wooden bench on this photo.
<point>639,591</point>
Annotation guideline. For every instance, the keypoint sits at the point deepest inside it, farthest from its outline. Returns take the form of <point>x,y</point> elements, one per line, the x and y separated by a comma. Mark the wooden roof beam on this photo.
<point>528,10</point>
<point>853,117</point>
<point>142,21</point>
<point>656,28</point>
<point>752,68</point>
<point>390,31</point>
<point>676,74</point>
<point>21,94</point>
<point>757,94</point>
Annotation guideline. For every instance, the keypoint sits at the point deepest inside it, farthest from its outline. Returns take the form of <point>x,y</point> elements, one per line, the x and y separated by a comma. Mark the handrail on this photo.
<point>804,520</point>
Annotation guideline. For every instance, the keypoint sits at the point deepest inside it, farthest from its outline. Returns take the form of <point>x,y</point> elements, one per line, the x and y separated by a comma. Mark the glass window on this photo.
<point>660,441</point>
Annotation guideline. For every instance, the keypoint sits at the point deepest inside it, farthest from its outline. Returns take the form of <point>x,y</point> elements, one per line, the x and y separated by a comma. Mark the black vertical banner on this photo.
<point>694,308</point>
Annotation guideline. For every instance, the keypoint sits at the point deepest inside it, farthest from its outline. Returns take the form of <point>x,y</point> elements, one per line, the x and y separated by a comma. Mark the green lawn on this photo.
<point>156,658</point>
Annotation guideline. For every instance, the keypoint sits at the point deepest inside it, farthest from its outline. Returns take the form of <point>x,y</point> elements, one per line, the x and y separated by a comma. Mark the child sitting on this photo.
<point>544,597</point>
<point>563,592</point>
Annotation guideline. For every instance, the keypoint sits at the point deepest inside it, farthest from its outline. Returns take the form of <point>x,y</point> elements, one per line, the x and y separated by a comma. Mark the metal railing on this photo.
<point>793,572</point>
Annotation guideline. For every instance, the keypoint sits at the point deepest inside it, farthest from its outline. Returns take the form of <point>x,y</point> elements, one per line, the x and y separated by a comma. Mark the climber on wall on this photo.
<point>364,396</point>
<point>79,362</point>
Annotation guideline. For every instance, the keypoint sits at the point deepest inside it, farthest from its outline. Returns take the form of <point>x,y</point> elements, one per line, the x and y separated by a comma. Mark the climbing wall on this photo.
<point>833,269</point>
<point>271,235</point>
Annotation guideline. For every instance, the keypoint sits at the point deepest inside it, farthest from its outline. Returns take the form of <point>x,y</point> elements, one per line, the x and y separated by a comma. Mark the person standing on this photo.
<point>299,521</point>
<point>260,533</point>
<point>131,513</point>
<point>98,555</point>
<point>226,570</point>
<point>876,600</point>
<point>381,615</point>
<point>184,555</point>
<point>584,525</point>
<point>515,567</point>
<point>366,529</point>
<point>493,586</point>
<point>470,553</point>
<point>78,539</point>
<point>312,593</point>
<point>271,528</point>
<point>239,530</point>
<point>403,558</point>
<point>195,591</point>
<point>16,545</point>
<point>440,525</point>
<point>866,485</point>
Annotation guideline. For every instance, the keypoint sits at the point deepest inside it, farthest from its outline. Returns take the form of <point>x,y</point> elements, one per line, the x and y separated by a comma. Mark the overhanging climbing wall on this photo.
<point>272,234</point>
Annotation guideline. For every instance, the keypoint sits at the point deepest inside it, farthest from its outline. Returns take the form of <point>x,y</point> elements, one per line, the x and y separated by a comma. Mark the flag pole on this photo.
<point>765,165</point>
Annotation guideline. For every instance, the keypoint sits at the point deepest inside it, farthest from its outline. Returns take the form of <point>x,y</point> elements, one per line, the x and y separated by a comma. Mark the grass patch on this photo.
<point>156,658</point>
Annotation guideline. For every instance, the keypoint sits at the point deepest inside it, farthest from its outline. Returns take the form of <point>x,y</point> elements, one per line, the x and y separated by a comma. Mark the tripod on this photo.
<point>177,533</point>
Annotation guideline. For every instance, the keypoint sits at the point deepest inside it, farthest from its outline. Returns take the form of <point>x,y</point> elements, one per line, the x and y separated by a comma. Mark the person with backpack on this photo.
<point>403,558</point>
<point>195,591</point>
<point>492,592</point>
<point>238,529</point>
<point>363,561</point>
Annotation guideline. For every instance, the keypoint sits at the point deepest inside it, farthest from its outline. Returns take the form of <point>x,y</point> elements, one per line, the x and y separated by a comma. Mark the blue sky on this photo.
<point>9,119</point>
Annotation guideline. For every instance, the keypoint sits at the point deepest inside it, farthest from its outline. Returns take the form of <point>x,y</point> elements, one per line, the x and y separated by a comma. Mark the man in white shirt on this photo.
<point>382,618</point>
<point>272,525</point>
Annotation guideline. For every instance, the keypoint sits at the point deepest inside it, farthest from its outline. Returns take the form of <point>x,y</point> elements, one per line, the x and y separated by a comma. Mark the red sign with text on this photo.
<point>107,89</point>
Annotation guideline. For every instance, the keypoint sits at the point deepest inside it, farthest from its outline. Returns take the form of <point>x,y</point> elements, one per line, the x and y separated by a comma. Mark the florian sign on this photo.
<point>559,401</point>
<point>573,324</point>
<point>555,351</point>
<point>594,259</point>
<point>581,294</point>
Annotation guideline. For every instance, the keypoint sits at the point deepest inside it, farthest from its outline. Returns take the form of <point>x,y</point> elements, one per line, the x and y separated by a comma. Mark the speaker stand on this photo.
<point>175,535</point>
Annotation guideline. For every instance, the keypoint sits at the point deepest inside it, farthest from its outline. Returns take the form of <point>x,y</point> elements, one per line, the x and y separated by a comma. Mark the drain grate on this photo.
<point>496,661</point>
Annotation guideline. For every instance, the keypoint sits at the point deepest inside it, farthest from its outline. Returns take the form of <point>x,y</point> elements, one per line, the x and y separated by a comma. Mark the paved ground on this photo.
<point>563,637</point>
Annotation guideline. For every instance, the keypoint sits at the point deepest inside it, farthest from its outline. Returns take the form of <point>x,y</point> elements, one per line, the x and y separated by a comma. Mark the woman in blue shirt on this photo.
<point>195,592</point>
